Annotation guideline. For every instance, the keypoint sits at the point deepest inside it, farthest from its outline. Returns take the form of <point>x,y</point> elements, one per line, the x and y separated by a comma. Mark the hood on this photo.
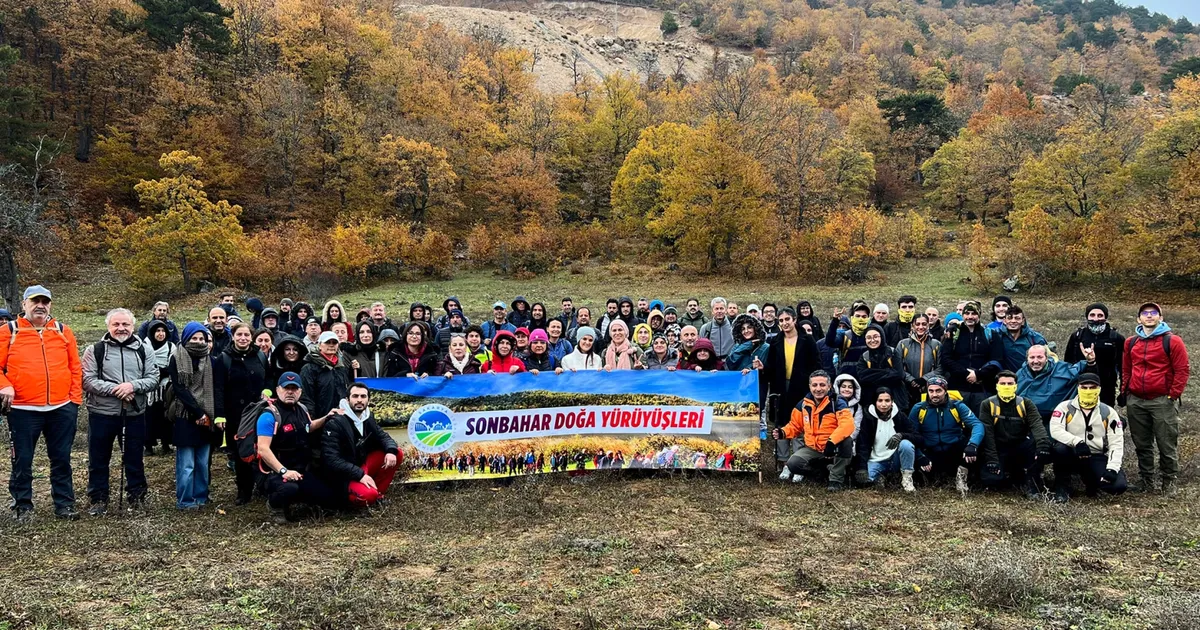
<point>446,303</point>
<point>291,340</point>
<point>1162,328</point>
<point>302,305</point>
<point>837,384</point>
<point>891,416</point>
<point>625,300</point>
<point>801,304</point>
<point>520,299</point>
<point>388,333</point>
<point>504,334</point>
<point>704,343</point>
<point>633,335</point>
<point>193,328</point>
<point>155,324</point>
<point>325,311</point>
<point>760,332</point>
<point>269,312</point>
<point>656,305</point>
<point>254,305</point>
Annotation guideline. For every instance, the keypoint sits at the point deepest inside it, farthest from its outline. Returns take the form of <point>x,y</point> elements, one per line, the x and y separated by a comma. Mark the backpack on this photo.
<point>13,328</point>
<point>246,437</point>
<point>99,348</point>
<point>953,412</point>
<point>1166,344</point>
<point>1107,421</point>
<point>994,407</point>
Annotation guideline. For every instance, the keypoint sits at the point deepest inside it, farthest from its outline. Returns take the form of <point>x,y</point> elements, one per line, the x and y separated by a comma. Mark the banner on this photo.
<point>488,425</point>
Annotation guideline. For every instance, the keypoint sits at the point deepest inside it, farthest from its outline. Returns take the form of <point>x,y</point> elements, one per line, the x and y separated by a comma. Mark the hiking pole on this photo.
<point>121,444</point>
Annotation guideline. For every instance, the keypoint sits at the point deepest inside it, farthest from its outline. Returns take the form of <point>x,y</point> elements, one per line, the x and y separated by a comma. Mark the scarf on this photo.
<point>460,365</point>
<point>198,379</point>
<point>414,361</point>
<point>358,422</point>
<point>859,324</point>
<point>618,357</point>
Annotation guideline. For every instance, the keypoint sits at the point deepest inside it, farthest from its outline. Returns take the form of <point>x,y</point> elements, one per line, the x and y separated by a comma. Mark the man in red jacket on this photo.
<point>41,387</point>
<point>1154,372</point>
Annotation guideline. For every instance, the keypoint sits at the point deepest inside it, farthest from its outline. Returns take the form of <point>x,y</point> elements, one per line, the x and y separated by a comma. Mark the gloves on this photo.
<point>1109,476</point>
<point>1041,456</point>
<point>1122,398</point>
<point>830,449</point>
<point>894,441</point>
<point>1082,450</point>
<point>970,450</point>
<point>861,478</point>
<point>993,469</point>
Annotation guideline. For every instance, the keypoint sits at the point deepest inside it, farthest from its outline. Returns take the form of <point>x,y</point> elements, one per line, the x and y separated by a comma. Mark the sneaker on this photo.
<point>960,480</point>
<point>797,478</point>
<point>68,513</point>
<point>835,486</point>
<point>22,516</point>
<point>906,481</point>
<point>1061,496</point>
<point>99,508</point>
<point>786,475</point>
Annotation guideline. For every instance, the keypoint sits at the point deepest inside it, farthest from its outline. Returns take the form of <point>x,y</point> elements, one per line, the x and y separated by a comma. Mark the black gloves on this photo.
<point>1109,476</point>
<point>1122,398</point>
<point>830,449</point>
<point>1082,450</point>
<point>993,469</point>
<point>1041,456</point>
<point>894,441</point>
<point>970,450</point>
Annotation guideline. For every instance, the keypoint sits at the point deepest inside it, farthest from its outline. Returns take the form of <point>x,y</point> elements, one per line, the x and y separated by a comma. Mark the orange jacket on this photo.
<point>820,423</point>
<point>43,368</point>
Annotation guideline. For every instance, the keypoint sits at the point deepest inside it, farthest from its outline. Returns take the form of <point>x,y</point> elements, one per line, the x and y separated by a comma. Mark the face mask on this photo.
<point>1089,398</point>
<point>1006,392</point>
<point>906,317</point>
<point>859,324</point>
<point>1097,329</point>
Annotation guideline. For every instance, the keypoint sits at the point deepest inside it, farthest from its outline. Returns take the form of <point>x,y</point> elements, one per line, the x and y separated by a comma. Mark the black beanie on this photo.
<point>1094,306</point>
<point>1001,298</point>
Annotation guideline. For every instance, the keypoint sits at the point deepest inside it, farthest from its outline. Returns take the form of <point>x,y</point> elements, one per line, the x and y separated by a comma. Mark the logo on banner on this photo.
<point>431,428</point>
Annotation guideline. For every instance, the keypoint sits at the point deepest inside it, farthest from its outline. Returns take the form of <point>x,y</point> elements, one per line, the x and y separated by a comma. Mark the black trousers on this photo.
<point>1089,469</point>
<point>103,431</point>
<point>310,490</point>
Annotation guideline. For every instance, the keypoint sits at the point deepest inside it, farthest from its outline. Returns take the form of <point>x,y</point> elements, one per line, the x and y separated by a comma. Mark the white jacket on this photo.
<point>1068,426</point>
<point>580,361</point>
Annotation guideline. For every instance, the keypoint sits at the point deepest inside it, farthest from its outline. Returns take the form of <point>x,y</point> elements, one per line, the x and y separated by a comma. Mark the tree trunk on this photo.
<point>183,268</point>
<point>8,280</point>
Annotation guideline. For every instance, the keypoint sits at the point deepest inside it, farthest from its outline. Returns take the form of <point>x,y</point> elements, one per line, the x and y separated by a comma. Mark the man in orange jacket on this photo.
<point>41,388</point>
<point>827,425</point>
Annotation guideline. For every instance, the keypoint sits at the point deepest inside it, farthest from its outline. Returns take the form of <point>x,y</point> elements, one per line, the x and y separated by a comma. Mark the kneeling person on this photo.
<point>950,434</point>
<point>886,443</point>
<point>1089,442</point>
<point>1015,443</point>
<point>356,453</point>
<point>827,427</point>
<point>284,452</point>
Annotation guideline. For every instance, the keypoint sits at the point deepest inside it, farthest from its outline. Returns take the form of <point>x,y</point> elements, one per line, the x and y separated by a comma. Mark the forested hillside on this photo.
<point>260,142</point>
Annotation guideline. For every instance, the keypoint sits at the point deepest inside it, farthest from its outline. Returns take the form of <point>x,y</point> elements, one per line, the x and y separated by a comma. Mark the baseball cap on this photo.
<point>289,379</point>
<point>499,305</point>
<point>327,336</point>
<point>35,291</point>
<point>1089,377</point>
<point>753,308</point>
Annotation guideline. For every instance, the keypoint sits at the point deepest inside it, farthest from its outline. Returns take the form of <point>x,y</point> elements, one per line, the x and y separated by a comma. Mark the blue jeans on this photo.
<point>102,432</point>
<point>191,475</point>
<point>902,459</point>
<point>59,428</point>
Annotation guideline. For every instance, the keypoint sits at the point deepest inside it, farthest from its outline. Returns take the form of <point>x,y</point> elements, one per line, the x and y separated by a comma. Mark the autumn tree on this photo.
<point>185,236</point>
<point>637,190</point>
<point>416,176</point>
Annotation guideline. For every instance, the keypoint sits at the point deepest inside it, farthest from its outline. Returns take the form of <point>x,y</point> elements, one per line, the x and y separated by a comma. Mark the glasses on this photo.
<point>1150,313</point>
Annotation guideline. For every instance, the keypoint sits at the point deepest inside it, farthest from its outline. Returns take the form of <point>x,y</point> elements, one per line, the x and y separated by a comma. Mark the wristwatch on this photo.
<point>283,470</point>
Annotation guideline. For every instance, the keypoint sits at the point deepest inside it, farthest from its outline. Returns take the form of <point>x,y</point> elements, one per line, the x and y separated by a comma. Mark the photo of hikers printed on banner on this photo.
<point>488,425</point>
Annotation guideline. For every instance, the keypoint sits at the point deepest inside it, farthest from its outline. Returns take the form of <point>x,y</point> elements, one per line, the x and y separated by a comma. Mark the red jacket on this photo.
<point>1147,373</point>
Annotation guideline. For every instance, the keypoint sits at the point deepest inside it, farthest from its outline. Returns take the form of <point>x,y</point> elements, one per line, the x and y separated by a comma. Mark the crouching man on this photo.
<point>356,453</point>
<point>1015,445</point>
<point>1089,442</point>
<point>950,435</point>
<point>827,426</point>
<point>284,452</point>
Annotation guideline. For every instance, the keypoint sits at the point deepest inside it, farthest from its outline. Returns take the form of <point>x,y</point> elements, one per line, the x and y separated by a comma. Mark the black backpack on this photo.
<point>246,437</point>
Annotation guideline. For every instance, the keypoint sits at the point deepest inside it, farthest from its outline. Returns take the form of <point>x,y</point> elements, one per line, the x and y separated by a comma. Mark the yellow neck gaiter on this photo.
<point>1006,392</point>
<point>859,324</point>
<point>1089,398</point>
<point>906,317</point>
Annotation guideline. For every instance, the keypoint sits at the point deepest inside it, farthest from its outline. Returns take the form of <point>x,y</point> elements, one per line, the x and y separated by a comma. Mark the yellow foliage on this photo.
<point>847,245</point>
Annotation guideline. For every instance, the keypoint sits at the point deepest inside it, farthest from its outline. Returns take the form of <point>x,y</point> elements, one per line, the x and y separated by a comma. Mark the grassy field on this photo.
<point>601,551</point>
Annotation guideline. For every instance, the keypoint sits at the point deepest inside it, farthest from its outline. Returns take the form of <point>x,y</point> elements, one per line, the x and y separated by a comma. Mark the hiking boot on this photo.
<point>786,475</point>
<point>960,480</point>
<point>149,451</point>
<point>797,478</point>
<point>68,513</point>
<point>279,516</point>
<point>1143,485</point>
<point>22,516</point>
<point>906,481</point>
<point>240,501</point>
<point>1032,492</point>
<point>1169,487</point>
<point>137,502</point>
<point>99,508</point>
<point>1061,495</point>
<point>835,486</point>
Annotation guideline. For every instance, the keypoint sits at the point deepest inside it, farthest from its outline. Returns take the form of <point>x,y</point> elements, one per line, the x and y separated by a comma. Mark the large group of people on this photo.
<point>978,397</point>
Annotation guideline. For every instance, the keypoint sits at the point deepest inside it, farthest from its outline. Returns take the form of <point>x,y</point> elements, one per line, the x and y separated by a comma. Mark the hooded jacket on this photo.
<point>656,320</point>
<point>277,333</point>
<point>744,352</point>
<point>1148,371</point>
<point>853,403</point>
<point>279,364</point>
<point>172,330</point>
<point>966,350</point>
<point>1069,425</point>
<point>871,424</point>
<point>880,368</point>
<point>127,362</point>
<point>811,318</point>
<point>689,362</point>
<point>650,359</point>
<point>829,420</point>
<point>519,319</point>
<point>502,365</point>
<point>443,321</point>
<point>721,336</point>
<point>324,384</point>
<point>846,346</point>
<point>1054,384</point>
<point>1007,424</point>
<point>941,428</point>
<point>295,324</point>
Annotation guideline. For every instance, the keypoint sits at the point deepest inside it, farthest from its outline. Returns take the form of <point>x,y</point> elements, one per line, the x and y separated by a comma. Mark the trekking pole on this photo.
<point>121,444</point>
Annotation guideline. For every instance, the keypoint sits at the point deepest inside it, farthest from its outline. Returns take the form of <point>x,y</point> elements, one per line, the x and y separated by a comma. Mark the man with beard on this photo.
<point>948,435</point>
<point>41,387</point>
<point>358,455</point>
<point>216,325</point>
<point>269,320</point>
<point>456,324</point>
<point>283,432</point>
<point>1107,342</point>
<point>693,315</point>
<point>611,312</point>
<point>117,376</point>
<point>162,313</point>
<point>583,319</point>
<point>643,311</point>
<point>568,314</point>
<point>720,330</point>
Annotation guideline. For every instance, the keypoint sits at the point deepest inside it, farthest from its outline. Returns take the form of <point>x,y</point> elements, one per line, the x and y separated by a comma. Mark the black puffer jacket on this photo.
<point>344,450</point>
<point>324,385</point>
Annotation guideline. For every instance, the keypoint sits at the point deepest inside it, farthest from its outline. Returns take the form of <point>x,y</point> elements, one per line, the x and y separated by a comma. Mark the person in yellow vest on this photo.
<point>1089,442</point>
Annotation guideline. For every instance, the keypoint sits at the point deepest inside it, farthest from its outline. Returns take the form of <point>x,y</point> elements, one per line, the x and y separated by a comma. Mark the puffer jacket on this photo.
<point>942,428</point>
<point>323,383</point>
<point>820,422</point>
<point>880,368</point>
<point>650,360</point>
<point>42,368</point>
<point>919,359</point>
<point>127,362</point>
<point>1014,350</point>
<point>1054,384</point>
<point>1069,426</point>
<point>1146,370</point>
<point>1007,424</point>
